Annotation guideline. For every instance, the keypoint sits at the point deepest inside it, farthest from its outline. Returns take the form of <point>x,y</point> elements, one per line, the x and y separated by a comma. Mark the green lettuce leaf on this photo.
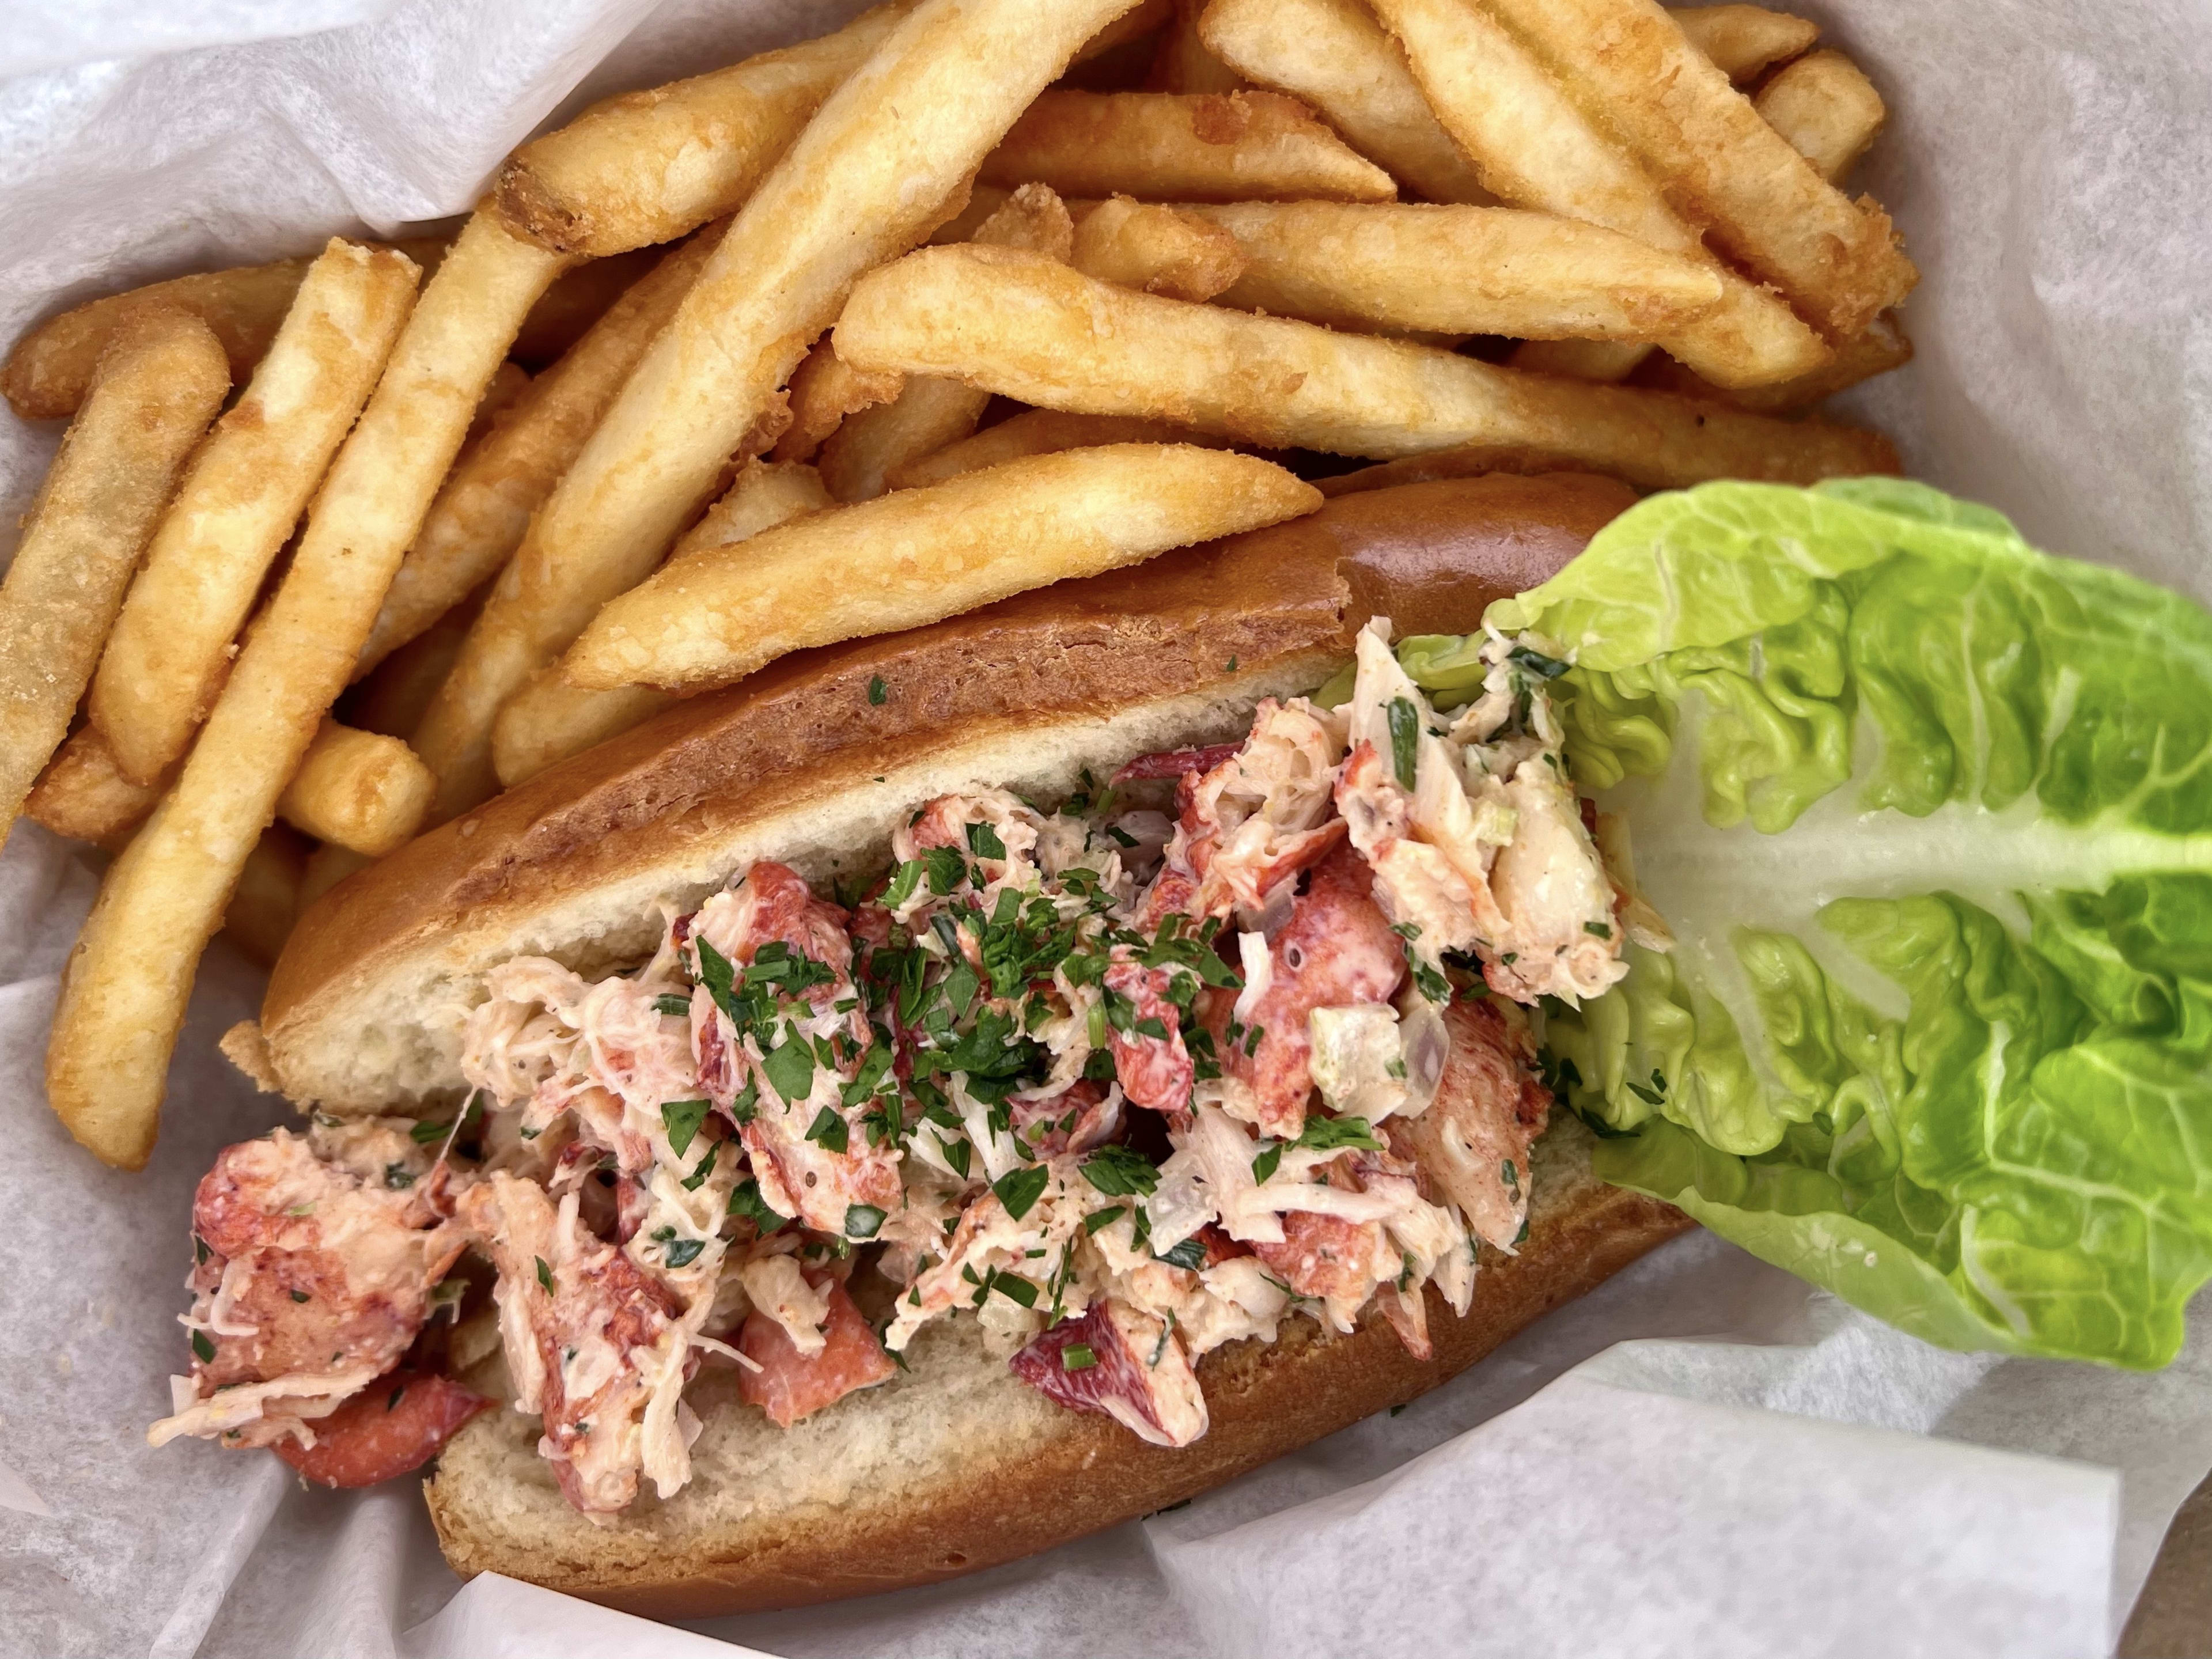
<point>1929,814</point>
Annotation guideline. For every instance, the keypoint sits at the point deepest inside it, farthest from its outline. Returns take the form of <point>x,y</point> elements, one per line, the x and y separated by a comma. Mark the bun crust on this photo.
<point>956,1465</point>
<point>799,762</point>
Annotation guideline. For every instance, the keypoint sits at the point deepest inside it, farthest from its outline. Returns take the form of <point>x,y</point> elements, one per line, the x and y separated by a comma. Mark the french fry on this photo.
<point>357,790</point>
<point>1606,362</point>
<point>550,720</point>
<point>325,868</point>
<point>1744,42</point>
<point>649,166</point>
<point>981,202</point>
<point>1459,270</point>
<point>261,911</point>
<point>1333,54</point>
<point>824,392</point>
<point>1139,20</point>
<point>83,794</point>
<point>1827,110</point>
<point>1766,206</point>
<point>1878,347</point>
<point>927,415</point>
<point>1043,432</point>
<point>1161,250</point>
<point>242,494</point>
<point>922,555</point>
<point>1160,147</point>
<point>124,994</point>
<point>1535,148</point>
<point>508,382</point>
<point>1464,461</point>
<point>484,506</point>
<point>1033,329</point>
<point>1181,63</point>
<point>580,296</point>
<point>158,383</point>
<point>872,175</point>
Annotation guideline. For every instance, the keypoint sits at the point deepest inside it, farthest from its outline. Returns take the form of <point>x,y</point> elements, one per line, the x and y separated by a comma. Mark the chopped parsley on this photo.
<point>790,1068</point>
<point>1099,1220</point>
<point>1078,1356</point>
<point>1405,739</point>
<point>1269,1159</point>
<point>203,1347</point>
<point>983,842</point>
<point>1189,1255</point>
<point>746,1200</point>
<point>878,693</point>
<point>1536,663</point>
<point>682,1119</point>
<point>1119,1173</point>
<point>863,1221</point>
<point>697,1178</point>
<point>544,1275</point>
<point>828,1131</point>
<point>1019,1190</point>
<point>1329,1134</point>
<point>1601,929</point>
<point>682,1252</point>
<point>676,1007</point>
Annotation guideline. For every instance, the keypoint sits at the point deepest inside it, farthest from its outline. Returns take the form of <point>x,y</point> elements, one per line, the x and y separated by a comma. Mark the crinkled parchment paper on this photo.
<point>1705,1457</point>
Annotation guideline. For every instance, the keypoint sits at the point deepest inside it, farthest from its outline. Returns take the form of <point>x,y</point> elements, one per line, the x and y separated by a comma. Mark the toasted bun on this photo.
<point>955,1465</point>
<point>799,762</point>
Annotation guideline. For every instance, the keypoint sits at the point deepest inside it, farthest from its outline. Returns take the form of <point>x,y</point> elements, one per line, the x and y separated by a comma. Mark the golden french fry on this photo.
<point>1032,329</point>
<point>1043,432</point>
<point>1134,24</point>
<point>870,176</point>
<point>1535,148</point>
<point>1161,250</point>
<point>1604,361</point>
<point>1837,260</point>
<point>922,555</point>
<point>580,296</point>
<point>261,911</point>
<point>242,494</point>
<point>508,382</point>
<point>160,380</point>
<point>1826,109</point>
<point>928,414</point>
<point>980,204</point>
<point>1880,347</point>
<point>83,794</point>
<point>550,720</point>
<point>326,866</point>
<point>1161,147</point>
<point>1333,54</point>
<point>124,994</point>
<point>1182,64</point>
<point>484,506</point>
<point>47,372</point>
<point>1459,270</point>
<point>357,790</point>
<point>824,392</point>
<point>649,166</point>
<point>1744,42</point>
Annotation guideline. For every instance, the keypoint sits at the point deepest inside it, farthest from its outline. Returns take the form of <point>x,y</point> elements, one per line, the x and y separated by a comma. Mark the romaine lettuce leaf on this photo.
<point>1929,814</point>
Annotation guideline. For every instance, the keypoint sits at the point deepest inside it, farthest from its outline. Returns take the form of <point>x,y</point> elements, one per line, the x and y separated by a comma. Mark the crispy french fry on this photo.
<point>1333,54</point>
<point>1459,270</point>
<point>927,415</point>
<point>122,997</point>
<point>83,794</point>
<point>1827,110</point>
<point>160,381</point>
<point>483,508</point>
<point>1033,329</point>
<point>1605,362</point>
<point>1181,63</point>
<point>1465,461</point>
<point>1161,147</point>
<point>1161,250</point>
<point>1043,432</point>
<point>242,494</point>
<point>550,720</point>
<point>649,166</point>
<point>508,382</point>
<point>261,911</point>
<point>870,176</point>
<point>1880,347</point>
<point>824,392</point>
<point>580,296</point>
<point>1837,260</point>
<point>357,790</point>
<point>981,202</point>
<point>1536,149</point>
<point>325,868</point>
<point>1744,42</point>
<point>922,555</point>
<point>1139,20</point>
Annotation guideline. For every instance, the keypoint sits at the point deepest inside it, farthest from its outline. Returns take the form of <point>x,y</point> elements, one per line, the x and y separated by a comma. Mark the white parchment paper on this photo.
<point>1704,1457</point>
